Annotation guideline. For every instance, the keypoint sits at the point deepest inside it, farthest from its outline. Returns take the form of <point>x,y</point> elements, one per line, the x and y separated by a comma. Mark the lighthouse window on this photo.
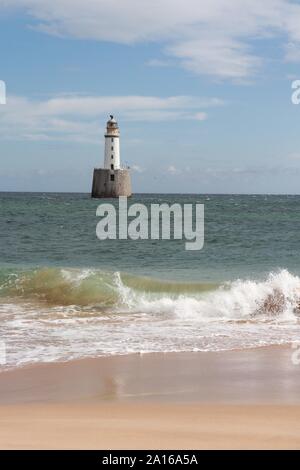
<point>112,148</point>
<point>112,167</point>
<point>112,177</point>
<point>112,156</point>
<point>112,139</point>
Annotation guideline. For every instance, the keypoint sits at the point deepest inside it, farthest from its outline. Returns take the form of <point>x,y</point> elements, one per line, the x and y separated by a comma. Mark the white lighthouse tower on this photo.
<point>111,180</point>
<point>112,145</point>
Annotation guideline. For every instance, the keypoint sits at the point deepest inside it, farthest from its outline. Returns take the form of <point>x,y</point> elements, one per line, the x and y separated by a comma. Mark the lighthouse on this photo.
<point>112,180</point>
<point>112,145</point>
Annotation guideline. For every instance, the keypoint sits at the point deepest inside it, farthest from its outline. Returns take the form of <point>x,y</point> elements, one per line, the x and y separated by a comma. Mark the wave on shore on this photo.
<point>279,294</point>
<point>58,314</point>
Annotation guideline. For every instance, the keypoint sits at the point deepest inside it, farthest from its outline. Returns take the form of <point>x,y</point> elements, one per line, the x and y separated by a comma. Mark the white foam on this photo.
<point>239,300</point>
<point>233,316</point>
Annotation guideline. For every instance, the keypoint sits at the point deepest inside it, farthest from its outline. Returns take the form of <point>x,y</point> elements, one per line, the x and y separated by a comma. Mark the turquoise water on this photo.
<point>245,236</point>
<point>65,294</point>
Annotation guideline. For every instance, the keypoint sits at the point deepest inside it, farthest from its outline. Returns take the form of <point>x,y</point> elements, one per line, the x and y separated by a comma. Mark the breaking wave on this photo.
<point>62,314</point>
<point>278,295</point>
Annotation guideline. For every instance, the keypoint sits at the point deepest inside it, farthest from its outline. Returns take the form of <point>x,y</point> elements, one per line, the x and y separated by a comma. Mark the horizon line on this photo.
<point>150,193</point>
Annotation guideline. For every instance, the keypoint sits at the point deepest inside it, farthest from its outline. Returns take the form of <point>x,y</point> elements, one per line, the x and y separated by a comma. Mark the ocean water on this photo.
<point>64,294</point>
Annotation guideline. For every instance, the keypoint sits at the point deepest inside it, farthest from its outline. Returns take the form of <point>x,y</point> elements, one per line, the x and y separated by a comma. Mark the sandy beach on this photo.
<point>233,400</point>
<point>149,426</point>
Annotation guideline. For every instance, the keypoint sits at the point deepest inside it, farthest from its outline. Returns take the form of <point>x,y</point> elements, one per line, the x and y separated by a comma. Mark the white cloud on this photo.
<point>160,63</point>
<point>292,52</point>
<point>137,168</point>
<point>201,116</point>
<point>78,118</point>
<point>214,37</point>
<point>173,170</point>
<point>216,56</point>
<point>294,156</point>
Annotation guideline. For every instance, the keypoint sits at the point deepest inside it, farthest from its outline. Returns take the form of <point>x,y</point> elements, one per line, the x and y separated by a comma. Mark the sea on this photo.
<point>65,294</point>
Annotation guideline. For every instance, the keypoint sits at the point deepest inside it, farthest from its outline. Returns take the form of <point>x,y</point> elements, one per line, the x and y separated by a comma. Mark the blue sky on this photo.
<point>201,90</point>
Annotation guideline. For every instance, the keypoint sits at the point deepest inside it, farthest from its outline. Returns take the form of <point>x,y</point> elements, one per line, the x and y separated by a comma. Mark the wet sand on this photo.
<point>239,399</point>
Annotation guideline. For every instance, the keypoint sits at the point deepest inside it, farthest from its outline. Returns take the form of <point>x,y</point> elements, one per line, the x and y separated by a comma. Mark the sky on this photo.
<point>201,91</point>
